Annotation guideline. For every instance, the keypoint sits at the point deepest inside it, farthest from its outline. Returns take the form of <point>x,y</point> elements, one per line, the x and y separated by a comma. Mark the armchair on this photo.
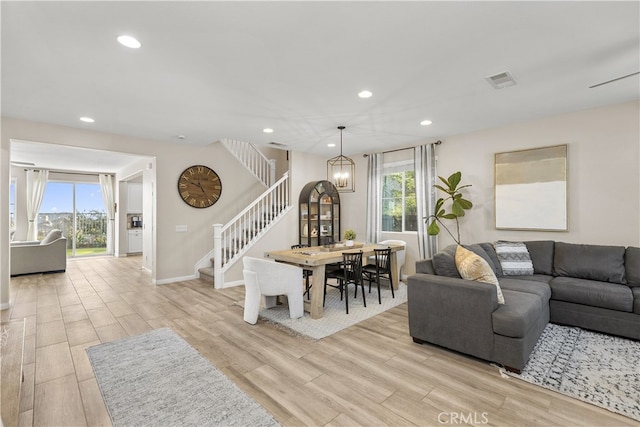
<point>48,255</point>
<point>269,278</point>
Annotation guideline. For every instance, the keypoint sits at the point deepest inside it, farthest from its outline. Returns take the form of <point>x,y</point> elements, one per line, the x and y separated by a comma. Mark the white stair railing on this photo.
<point>232,240</point>
<point>257,163</point>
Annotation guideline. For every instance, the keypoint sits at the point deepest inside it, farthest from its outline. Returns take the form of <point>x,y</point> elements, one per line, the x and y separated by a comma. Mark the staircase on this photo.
<point>248,154</point>
<point>233,240</point>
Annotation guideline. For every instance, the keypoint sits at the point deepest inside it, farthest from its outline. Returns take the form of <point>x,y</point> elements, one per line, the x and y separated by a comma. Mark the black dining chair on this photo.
<point>380,270</point>
<point>350,271</point>
<point>305,273</point>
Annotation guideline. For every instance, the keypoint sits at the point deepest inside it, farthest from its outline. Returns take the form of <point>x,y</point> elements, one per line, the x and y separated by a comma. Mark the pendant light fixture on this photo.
<point>341,170</point>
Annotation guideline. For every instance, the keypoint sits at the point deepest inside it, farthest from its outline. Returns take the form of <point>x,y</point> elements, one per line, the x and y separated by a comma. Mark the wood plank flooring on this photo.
<point>370,374</point>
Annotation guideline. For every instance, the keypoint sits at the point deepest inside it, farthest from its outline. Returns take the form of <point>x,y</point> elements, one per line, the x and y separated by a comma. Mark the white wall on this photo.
<point>604,178</point>
<point>603,168</point>
<point>4,231</point>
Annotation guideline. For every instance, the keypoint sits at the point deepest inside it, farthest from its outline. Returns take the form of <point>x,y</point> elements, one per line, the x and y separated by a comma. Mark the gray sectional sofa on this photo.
<point>589,286</point>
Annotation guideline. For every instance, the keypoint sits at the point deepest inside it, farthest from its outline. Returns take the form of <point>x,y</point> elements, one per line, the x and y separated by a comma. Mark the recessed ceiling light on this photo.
<point>331,145</point>
<point>425,122</point>
<point>267,130</point>
<point>365,94</point>
<point>129,41</point>
<point>87,119</point>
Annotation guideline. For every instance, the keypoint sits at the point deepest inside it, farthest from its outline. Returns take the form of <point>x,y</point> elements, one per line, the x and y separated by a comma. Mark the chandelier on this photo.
<point>341,170</point>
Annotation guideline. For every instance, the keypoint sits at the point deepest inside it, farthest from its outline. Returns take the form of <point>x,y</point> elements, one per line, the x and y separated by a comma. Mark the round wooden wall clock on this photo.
<point>199,186</point>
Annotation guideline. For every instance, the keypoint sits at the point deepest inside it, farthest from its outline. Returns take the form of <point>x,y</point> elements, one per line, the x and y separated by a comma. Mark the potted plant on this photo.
<point>458,206</point>
<point>349,236</point>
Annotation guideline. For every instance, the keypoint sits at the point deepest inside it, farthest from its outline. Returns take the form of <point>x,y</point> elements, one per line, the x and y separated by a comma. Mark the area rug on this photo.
<point>596,368</point>
<point>158,379</point>
<point>334,317</point>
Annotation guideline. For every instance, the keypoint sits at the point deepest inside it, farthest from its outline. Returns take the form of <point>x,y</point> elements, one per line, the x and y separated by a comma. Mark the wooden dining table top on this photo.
<point>320,255</point>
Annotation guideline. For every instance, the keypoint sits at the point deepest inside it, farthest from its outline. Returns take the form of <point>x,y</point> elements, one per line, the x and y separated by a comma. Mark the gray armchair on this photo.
<point>48,255</point>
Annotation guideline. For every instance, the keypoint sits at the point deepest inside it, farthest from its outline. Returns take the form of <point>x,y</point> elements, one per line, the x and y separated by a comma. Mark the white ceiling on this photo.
<point>69,158</point>
<point>212,70</point>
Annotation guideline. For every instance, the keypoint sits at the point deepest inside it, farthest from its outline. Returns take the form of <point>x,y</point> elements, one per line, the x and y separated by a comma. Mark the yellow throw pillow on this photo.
<point>473,267</point>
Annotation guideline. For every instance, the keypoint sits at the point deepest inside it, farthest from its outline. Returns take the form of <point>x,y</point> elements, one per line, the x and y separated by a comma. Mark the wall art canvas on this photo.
<point>531,189</point>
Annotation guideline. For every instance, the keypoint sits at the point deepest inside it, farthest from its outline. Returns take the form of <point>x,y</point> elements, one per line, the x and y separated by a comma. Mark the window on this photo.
<point>399,211</point>
<point>77,209</point>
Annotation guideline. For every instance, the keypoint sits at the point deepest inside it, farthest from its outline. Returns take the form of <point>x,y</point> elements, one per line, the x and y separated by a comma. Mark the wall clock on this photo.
<point>199,186</point>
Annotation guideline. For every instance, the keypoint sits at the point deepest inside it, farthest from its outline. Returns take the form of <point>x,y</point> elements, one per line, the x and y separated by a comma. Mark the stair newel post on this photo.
<point>218,279</point>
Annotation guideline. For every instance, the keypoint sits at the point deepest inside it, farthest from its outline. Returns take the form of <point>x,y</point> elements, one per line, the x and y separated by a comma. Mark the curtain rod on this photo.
<point>438,142</point>
<point>72,172</point>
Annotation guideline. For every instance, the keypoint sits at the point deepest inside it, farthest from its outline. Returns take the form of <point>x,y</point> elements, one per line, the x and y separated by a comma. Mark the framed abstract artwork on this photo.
<point>531,189</point>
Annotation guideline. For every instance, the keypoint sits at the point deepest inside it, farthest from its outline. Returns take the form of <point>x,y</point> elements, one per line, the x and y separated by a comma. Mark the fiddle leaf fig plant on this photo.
<point>458,206</point>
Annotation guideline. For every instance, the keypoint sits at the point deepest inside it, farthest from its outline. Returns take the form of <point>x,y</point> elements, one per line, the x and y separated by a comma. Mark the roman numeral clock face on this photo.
<point>199,186</point>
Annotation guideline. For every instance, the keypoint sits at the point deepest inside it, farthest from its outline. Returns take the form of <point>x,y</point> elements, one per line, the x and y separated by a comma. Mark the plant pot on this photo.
<point>348,242</point>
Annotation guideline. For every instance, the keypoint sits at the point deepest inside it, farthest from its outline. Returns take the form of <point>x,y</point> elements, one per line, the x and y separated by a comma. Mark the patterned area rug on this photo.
<point>596,368</point>
<point>334,317</point>
<point>158,379</point>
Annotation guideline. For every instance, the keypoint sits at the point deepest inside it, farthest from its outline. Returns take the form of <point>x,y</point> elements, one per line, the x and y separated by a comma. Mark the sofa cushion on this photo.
<point>473,267</point>
<point>632,266</point>
<point>595,262</point>
<point>518,315</point>
<point>591,292</point>
<point>479,250</point>
<point>51,237</point>
<point>530,284</point>
<point>514,258</point>
<point>491,253</point>
<point>444,262</point>
<point>541,252</point>
<point>636,299</point>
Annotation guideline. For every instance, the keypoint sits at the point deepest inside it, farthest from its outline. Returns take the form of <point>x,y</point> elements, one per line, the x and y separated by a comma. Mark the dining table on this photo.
<point>316,258</point>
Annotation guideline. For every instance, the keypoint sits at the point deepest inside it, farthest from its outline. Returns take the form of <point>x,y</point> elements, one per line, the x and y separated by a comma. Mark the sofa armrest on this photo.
<point>452,313</point>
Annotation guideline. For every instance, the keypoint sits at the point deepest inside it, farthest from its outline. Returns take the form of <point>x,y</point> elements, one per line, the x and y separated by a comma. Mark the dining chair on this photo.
<point>380,270</point>
<point>305,273</point>
<point>400,255</point>
<point>349,272</point>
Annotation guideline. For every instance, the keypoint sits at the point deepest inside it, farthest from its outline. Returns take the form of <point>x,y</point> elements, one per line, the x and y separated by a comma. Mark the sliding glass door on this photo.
<point>77,209</point>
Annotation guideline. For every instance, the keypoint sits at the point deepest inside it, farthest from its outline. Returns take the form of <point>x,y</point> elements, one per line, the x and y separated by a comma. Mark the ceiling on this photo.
<point>213,70</point>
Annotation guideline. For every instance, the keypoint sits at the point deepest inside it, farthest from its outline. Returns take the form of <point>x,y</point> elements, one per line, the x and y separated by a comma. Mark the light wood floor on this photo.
<point>370,374</point>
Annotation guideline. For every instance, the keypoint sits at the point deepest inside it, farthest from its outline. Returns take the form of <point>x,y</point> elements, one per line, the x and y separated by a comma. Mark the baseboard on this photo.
<point>173,280</point>
<point>232,284</point>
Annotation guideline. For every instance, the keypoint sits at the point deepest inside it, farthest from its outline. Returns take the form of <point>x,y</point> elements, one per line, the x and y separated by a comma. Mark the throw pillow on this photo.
<point>473,267</point>
<point>444,262</point>
<point>51,237</point>
<point>514,258</point>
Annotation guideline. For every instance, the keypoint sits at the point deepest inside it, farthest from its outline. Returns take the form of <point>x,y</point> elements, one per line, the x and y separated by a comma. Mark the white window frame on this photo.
<point>402,166</point>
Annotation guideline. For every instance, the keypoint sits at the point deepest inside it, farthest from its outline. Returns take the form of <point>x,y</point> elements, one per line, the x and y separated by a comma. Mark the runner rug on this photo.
<point>600,369</point>
<point>158,379</point>
<point>334,317</point>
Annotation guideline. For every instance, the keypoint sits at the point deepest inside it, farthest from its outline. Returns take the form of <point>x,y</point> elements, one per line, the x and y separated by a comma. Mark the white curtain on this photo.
<point>374,197</point>
<point>106,185</point>
<point>36,184</point>
<point>425,170</point>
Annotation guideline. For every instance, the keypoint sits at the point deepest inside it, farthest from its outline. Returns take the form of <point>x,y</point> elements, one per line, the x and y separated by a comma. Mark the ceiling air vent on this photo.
<point>277,144</point>
<point>501,80</point>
